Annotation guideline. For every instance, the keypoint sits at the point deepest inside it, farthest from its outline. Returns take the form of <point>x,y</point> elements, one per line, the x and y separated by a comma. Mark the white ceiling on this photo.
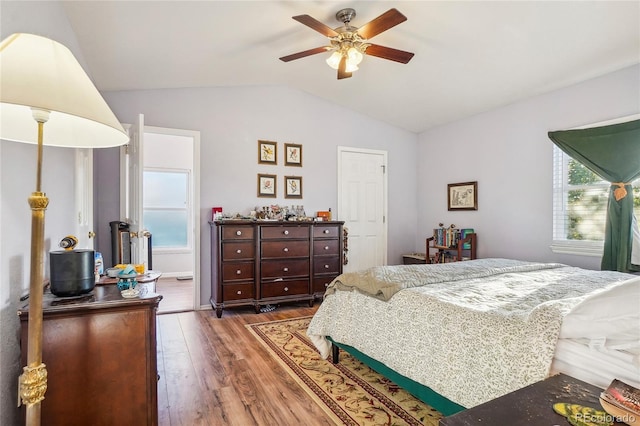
<point>470,56</point>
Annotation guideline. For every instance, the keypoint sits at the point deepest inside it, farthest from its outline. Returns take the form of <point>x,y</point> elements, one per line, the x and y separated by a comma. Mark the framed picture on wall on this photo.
<point>292,154</point>
<point>267,152</point>
<point>462,196</point>
<point>293,187</point>
<point>267,185</point>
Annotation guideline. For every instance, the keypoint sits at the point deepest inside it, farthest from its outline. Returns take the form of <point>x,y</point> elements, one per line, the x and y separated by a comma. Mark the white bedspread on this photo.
<point>470,340</point>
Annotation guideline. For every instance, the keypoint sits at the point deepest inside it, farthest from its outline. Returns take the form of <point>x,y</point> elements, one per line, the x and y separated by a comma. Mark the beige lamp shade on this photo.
<point>37,73</point>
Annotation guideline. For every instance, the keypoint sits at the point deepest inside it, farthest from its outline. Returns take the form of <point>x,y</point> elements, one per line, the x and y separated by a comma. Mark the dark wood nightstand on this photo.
<point>531,405</point>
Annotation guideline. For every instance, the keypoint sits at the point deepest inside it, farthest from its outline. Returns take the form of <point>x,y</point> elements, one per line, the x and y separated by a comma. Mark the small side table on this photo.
<point>413,258</point>
<point>531,405</point>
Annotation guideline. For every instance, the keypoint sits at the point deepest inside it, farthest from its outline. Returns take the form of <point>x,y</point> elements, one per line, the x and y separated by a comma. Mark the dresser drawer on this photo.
<point>326,265</point>
<point>284,268</point>
<point>275,249</point>
<point>237,291</point>
<point>285,288</point>
<point>328,231</point>
<point>237,232</point>
<point>238,250</point>
<point>328,247</point>
<point>320,284</point>
<point>233,271</point>
<point>284,232</point>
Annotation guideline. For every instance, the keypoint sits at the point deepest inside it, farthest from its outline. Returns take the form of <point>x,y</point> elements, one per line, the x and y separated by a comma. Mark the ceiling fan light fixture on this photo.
<point>334,60</point>
<point>354,55</point>
<point>351,66</point>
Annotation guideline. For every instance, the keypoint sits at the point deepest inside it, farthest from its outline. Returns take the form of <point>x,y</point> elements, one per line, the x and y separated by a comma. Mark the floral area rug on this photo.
<point>350,393</point>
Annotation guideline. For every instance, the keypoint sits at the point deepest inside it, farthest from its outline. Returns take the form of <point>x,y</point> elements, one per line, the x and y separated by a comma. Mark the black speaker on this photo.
<point>72,272</point>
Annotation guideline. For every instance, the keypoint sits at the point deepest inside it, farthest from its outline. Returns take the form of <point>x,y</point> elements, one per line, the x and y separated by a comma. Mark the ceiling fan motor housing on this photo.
<point>346,15</point>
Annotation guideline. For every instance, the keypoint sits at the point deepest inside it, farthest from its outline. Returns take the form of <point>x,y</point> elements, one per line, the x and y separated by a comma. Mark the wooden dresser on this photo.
<point>100,353</point>
<point>267,262</point>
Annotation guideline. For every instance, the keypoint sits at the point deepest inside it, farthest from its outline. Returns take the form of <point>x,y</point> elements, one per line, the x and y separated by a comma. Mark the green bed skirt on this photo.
<point>422,392</point>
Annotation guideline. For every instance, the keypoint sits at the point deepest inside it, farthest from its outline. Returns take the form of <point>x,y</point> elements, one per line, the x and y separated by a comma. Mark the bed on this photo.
<point>460,334</point>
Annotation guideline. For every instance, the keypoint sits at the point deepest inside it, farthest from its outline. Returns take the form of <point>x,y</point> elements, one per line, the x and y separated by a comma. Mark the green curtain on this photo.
<point>613,153</point>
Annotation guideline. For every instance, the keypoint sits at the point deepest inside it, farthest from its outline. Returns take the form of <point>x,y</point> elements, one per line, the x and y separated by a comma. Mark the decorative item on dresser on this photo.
<point>100,351</point>
<point>258,263</point>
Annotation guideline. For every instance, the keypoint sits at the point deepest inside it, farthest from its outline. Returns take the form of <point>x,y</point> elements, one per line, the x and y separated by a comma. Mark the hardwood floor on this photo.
<point>177,295</point>
<point>214,372</point>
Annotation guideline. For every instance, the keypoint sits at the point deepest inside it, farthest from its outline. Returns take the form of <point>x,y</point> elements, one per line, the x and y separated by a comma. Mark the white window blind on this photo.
<point>580,201</point>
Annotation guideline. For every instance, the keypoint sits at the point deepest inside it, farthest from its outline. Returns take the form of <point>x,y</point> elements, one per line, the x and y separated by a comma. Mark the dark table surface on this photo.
<point>531,405</point>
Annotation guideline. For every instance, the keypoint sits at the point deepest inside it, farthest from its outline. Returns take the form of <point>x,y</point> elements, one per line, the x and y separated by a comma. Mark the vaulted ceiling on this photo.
<point>470,56</point>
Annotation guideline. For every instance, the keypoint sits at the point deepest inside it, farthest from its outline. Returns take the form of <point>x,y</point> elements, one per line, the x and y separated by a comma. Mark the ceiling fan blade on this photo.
<point>342,73</point>
<point>316,25</point>
<point>305,53</point>
<point>389,53</point>
<point>387,20</point>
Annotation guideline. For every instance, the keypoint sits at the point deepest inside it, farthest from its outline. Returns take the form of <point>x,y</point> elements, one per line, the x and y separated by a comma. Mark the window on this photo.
<point>580,200</point>
<point>165,206</point>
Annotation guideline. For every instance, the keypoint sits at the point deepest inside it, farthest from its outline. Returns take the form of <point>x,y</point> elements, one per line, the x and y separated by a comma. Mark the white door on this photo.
<point>131,190</point>
<point>84,198</point>
<point>362,205</point>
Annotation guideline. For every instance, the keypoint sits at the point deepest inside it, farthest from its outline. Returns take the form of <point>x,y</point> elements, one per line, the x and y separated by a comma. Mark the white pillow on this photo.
<point>613,314</point>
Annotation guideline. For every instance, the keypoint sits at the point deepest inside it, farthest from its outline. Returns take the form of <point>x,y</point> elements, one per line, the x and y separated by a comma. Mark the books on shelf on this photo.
<point>446,237</point>
<point>449,237</point>
<point>622,401</point>
<point>463,234</point>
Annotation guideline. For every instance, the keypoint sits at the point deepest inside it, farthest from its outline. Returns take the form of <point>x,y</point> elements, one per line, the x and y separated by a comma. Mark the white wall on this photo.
<point>508,152</point>
<point>232,120</point>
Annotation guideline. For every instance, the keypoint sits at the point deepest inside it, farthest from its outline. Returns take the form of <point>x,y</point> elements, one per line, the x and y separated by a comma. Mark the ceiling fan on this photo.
<point>349,43</point>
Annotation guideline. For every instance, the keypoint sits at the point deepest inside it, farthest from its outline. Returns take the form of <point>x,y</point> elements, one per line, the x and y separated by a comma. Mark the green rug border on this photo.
<point>425,394</point>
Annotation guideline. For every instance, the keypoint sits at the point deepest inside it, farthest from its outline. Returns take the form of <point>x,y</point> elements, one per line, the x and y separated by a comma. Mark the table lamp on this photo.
<point>41,82</point>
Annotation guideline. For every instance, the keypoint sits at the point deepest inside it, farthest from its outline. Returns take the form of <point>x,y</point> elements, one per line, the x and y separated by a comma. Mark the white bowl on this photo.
<point>113,272</point>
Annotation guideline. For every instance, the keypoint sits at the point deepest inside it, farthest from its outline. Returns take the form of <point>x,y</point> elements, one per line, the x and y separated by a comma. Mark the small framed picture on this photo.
<point>293,187</point>
<point>267,152</point>
<point>267,185</point>
<point>462,196</point>
<point>292,154</point>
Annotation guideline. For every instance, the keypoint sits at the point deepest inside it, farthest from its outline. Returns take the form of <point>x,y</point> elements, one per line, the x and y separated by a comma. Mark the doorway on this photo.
<point>169,159</point>
<point>170,206</point>
<point>362,205</point>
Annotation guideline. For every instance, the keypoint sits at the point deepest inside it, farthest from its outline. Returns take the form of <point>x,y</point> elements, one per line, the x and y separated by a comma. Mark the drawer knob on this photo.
<point>326,266</point>
<point>326,231</point>
<point>285,269</point>
<point>286,289</point>
<point>238,251</point>
<point>239,292</point>
<point>326,284</point>
<point>285,249</point>
<point>238,272</point>
<point>326,247</point>
<point>238,233</point>
<point>286,232</point>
